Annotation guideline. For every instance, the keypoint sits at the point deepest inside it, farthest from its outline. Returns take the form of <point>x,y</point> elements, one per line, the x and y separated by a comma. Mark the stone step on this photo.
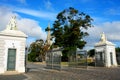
<point>10,73</point>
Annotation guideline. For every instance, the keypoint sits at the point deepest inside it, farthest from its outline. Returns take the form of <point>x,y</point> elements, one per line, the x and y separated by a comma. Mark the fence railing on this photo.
<point>53,59</point>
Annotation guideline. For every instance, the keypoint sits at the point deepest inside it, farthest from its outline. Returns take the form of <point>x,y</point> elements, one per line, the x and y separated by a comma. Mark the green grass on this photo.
<point>73,63</point>
<point>64,63</point>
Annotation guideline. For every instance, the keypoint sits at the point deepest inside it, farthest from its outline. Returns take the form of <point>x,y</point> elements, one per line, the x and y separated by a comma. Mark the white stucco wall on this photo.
<point>107,49</point>
<point>17,43</point>
<point>111,49</point>
<point>2,54</point>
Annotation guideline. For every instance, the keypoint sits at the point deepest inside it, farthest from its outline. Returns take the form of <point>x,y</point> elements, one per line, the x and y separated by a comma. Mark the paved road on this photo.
<point>77,74</point>
<point>13,77</point>
<point>39,72</point>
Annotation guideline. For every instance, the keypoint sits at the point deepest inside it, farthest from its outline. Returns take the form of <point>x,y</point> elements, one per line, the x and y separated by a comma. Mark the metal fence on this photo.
<point>53,59</point>
<point>78,59</point>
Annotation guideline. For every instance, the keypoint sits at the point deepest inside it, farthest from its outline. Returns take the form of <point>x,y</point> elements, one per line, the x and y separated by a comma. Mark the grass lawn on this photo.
<point>64,63</point>
<point>81,62</point>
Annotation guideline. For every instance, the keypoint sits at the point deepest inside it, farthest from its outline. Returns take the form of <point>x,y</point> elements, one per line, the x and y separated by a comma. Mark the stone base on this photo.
<point>1,70</point>
<point>10,73</point>
<point>21,69</point>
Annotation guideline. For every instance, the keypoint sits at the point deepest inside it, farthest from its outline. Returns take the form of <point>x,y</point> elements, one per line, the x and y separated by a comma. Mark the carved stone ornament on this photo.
<point>12,24</point>
<point>103,37</point>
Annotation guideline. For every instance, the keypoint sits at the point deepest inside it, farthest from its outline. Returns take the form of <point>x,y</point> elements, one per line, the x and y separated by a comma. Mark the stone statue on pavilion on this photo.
<point>12,24</point>
<point>103,37</point>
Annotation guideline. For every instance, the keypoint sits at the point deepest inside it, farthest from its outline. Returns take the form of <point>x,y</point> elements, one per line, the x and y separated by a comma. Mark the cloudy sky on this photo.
<point>33,16</point>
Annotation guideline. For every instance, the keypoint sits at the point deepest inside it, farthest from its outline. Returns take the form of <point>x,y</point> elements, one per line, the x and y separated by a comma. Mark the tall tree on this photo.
<point>37,52</point>
<point>91,52</point>
<point>117,49</point>
<point>69,29</point>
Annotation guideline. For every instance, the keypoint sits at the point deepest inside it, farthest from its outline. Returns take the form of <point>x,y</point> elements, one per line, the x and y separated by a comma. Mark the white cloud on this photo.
<point>31,28</point>
<point>36,13</point>
<point>5,14</point>
<point>94,36</point>
<point>98,20</point>
<point>48,5</point>
<point>112,30</point>
<point>28,26</point>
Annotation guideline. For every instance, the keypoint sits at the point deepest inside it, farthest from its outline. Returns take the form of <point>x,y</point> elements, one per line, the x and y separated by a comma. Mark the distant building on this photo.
<point>105,53</point>
<point>12,48</point>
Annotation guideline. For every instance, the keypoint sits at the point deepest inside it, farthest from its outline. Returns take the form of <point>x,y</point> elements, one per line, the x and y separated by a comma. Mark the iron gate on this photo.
<point>53,59</point>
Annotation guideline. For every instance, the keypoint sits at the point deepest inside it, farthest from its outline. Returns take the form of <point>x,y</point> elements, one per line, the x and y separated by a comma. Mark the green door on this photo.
<point>111,58</point>
<point>11,59</point>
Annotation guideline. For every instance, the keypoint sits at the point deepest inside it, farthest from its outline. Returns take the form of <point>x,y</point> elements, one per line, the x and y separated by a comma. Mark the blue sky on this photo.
<point>33,16</point>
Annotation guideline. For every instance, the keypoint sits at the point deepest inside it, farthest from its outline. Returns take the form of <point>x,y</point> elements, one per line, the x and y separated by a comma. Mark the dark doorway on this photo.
<point>111,58</point>
<point>11,59</point>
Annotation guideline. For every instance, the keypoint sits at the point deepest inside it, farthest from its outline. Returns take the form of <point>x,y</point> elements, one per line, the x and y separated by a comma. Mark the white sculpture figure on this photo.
<point>12,24</point>
<point>103,37</point>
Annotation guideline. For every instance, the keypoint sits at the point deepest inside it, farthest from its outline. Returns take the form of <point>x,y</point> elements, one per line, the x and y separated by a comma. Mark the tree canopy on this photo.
<point>37,51</point>
<point>117,49</point>
<point>91,52</point>
<point>69,29</point>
